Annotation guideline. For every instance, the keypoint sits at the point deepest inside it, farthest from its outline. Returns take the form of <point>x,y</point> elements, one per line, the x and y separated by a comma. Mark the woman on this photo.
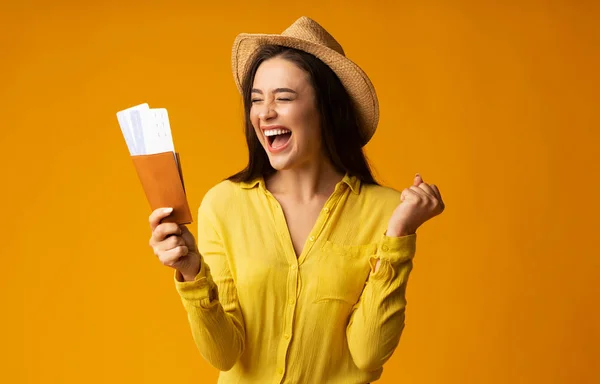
<point>300,270</point>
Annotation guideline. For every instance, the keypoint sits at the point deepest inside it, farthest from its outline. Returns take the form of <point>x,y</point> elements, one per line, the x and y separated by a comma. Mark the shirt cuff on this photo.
<point>197,289</point>
<point>397,249</point>
<point>391,253</point>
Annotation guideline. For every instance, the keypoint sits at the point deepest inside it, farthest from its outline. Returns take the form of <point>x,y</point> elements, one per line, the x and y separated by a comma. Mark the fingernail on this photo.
<point>417,175</point>
<point>167,210</point>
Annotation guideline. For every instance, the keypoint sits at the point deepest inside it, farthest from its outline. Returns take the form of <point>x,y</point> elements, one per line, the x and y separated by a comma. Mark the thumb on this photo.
<point>184,229</point>
<point>188,237</point>
<point>417,180</point>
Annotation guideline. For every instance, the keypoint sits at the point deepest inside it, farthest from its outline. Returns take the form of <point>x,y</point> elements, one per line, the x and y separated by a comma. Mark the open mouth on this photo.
<point>278,138</point>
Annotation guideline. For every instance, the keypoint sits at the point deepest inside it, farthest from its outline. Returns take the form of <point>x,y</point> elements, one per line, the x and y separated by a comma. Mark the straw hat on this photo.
<point>308,36</point>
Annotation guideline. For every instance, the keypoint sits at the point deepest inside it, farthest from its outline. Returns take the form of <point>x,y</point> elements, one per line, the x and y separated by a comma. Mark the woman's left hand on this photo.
<point>419,203</point>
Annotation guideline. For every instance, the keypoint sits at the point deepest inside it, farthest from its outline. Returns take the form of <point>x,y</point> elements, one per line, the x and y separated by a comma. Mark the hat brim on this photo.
<point>356,82</point>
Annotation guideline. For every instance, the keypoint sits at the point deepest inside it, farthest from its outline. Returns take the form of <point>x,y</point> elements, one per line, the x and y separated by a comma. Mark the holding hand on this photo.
<point>419,203</point>
<point>174,245</point>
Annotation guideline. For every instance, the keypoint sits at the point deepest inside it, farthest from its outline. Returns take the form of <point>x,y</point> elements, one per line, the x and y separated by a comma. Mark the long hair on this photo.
<point>340,130</point>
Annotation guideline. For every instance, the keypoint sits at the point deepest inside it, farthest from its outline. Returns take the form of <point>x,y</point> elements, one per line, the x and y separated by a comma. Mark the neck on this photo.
<point>306,182</point>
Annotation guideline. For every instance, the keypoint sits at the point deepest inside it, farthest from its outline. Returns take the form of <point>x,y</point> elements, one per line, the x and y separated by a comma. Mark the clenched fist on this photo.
<point>174,244</point>
<point>420,202</point>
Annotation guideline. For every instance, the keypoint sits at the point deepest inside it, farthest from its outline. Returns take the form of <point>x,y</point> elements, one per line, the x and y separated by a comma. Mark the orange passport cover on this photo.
<point>162,181</point>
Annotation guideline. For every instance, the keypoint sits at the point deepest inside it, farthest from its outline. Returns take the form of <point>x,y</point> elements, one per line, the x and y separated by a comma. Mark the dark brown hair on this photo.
<point>340,130</point>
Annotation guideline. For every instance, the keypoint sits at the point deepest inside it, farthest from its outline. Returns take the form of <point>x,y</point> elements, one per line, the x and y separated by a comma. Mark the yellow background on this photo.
<point>495,102</point>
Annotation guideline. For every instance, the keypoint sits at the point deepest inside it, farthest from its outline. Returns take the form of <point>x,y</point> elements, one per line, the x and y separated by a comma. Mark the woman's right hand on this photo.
<point>174,244</point>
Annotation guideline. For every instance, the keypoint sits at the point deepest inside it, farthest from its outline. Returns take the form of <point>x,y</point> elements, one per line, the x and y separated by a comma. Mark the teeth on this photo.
<point>275,132</point>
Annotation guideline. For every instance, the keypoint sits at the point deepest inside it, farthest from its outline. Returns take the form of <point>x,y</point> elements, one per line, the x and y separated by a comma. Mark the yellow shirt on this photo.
<point>262,315</point>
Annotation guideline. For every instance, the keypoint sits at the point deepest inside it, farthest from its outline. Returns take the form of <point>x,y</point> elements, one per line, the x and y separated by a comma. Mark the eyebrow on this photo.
<point>277,90</point>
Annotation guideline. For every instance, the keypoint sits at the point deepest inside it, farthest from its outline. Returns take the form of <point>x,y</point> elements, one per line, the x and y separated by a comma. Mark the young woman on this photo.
<point>301,263</point>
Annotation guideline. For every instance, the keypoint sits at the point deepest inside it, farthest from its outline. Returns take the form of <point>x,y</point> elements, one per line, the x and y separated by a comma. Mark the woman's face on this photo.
<point>284,114</point>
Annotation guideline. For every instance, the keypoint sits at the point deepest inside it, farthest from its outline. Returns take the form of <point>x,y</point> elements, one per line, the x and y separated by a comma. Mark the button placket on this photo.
<point>326,213</point>
<point>292,287</point>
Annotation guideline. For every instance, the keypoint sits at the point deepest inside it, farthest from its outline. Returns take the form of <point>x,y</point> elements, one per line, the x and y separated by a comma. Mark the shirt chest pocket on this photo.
<point>342,272</point>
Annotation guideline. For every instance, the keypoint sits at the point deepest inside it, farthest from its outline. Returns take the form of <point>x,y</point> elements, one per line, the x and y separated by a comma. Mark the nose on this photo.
<point>267,112</point>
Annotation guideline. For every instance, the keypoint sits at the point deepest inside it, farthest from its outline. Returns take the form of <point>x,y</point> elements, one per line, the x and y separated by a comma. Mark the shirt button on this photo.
<point>287,336</point>
<point>280,370</point>
<point>292,301</point>
<point>326,210</point>
<point>385,248</point>
<point>312,238</point>
<point>294,266</point>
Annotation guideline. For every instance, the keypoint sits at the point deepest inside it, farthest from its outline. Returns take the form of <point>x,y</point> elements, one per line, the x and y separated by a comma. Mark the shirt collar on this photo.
<point>252,183</point>
<point>351,181</point>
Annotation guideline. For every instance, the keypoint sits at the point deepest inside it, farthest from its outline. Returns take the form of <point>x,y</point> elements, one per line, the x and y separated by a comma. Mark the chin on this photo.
<point>279,164</point>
